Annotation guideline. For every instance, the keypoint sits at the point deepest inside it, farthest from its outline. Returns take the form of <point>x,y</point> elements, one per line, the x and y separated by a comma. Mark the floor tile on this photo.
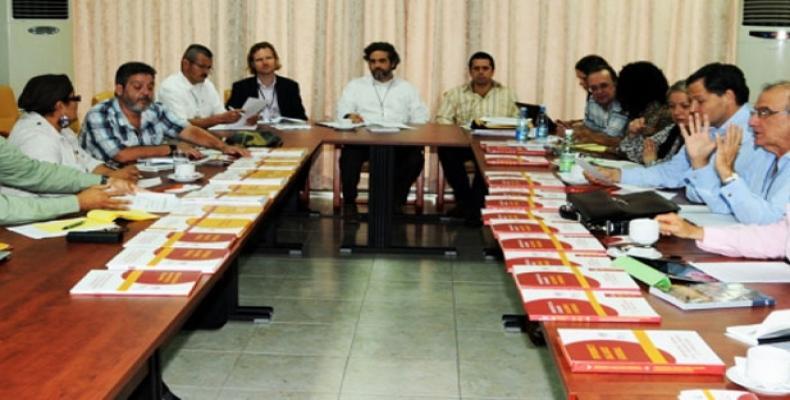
<point>511,378</point>
<point>250,394</point>
<point>494,346</point>
<point>306,268</point>
<point>231,337</point>
<point>484,317</point>
<point>401,377</point>
<point>195,392</point>
<point>423,340</point>
<point>389,314</point>
<point>287,373</point>
<point>381,397</point>
<point>409,292</point>
<point>256,286</point>
<point>309,310</point>
<point>193,367</point>
<point>411,270</point>
<point>302,339</point>
<point>466,271</point>
<point>485,294</point>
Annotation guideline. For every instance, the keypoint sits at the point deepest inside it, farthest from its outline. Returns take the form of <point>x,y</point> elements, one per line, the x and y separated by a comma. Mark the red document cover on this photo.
<point>519,150</point>
<point>545,258</point>
<point>559,243</point>
<point>587,306</point>
<point>573,278</point>
<point>537,229</point>
<point>627,351</point>
<point>514,160</point>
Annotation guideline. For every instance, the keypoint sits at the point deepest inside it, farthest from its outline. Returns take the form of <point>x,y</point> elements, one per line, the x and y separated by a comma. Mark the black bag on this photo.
<point>601,208</point>
<point>255,139</point>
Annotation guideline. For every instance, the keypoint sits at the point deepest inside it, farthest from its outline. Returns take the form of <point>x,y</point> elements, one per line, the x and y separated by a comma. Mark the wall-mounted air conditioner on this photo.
<point>35,38</point>
<point>763,44</point>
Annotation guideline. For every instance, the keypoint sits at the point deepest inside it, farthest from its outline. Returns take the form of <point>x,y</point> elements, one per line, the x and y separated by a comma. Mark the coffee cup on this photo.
<point>768,366</point>
<point>185,170</point>
<point>643,231</point>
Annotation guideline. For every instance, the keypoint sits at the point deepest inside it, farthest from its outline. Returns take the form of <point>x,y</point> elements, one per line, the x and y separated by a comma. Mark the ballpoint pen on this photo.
<point>73,225</point>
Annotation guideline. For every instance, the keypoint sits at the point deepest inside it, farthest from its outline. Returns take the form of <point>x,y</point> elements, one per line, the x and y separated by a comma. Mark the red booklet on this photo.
<point>530,203</point>
<point>515,160</point>
<point>587,306</point>
<point>500,215</point>
<point>636,351</point>
<point>519,150</point>
<point>562,277</point>
<point>538,229</point>
<point>563,243</point>
<point>546,258</point>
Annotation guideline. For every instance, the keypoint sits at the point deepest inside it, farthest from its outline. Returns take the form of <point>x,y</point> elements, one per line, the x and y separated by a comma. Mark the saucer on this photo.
<point>183,179</point>
<point>736,375</point>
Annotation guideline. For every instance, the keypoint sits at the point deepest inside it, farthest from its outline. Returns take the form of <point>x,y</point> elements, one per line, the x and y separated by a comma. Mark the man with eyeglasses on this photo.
<point>604,119</point>
<point>191,95</point>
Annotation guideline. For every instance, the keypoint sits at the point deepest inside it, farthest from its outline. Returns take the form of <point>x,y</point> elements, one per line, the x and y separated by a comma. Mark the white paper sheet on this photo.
<point>251,107</point>
<point>150,182</point>
<point>153,202</point>
<point>747,271</point>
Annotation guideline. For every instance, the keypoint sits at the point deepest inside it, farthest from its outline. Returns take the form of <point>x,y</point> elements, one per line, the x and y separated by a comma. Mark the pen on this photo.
<point>73,225</point>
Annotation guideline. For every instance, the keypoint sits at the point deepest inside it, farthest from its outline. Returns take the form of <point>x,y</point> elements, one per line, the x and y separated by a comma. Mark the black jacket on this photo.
<point>288,98</point>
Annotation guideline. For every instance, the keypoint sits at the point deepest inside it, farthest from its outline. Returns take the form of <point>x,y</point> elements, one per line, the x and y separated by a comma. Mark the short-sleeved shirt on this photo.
<point>612,121</point>
<point>188,100</point>
<point>460,105</point>
<point>106,131</point>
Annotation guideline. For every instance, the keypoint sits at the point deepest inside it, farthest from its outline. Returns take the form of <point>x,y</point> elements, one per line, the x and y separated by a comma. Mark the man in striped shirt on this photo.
<point>481,97</point>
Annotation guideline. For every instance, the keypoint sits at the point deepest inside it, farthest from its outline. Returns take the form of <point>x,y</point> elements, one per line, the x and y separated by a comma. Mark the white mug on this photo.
<point>768,366</point>
<point>643,231</point>
<point>185,170</point>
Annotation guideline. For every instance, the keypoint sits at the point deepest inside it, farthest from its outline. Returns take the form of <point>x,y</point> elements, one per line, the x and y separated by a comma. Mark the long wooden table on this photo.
<point>53,345</point>
<point>710,324</point>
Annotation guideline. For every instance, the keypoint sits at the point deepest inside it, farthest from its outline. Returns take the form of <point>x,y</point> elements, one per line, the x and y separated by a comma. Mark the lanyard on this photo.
<point>382,99</point>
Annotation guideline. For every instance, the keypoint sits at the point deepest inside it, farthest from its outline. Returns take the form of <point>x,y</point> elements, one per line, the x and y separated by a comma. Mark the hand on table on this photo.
<point>128,173</point>
<point>228,117</point>
<point>699,144</point>
<point>673,224</point>
<point>101,197</point>
<point>235,151</point>
<point>612,176</point>
<point>356,118</point>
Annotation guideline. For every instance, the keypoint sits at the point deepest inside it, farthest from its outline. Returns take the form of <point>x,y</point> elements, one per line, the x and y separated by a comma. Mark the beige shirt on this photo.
<point>460,105</point>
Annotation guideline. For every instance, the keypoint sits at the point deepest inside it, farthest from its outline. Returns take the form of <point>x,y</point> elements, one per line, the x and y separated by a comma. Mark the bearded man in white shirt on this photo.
<point>381,97</point>
<point>190,94</point>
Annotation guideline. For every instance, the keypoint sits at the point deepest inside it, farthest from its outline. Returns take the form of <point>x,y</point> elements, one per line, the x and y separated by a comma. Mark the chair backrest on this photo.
<point>101,96</point>
<point>226,95</point>
<point>9,112</point>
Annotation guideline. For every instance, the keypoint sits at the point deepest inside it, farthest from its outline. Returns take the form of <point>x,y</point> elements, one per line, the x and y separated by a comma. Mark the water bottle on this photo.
<point>567,157</point>
<point>541,126</point>
<point>522,125</point>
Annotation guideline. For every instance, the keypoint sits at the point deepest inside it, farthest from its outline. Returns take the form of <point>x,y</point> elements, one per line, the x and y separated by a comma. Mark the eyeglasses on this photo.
<point>765,112</point>
<point>75,98</point>
<point>202,66</point>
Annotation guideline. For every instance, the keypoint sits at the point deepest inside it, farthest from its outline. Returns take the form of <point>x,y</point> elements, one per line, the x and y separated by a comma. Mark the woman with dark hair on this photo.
<point>642,90</point>
<point>42,131</point>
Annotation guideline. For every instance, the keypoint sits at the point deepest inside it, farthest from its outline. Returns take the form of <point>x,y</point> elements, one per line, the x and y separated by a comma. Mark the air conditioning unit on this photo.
<point>763,44</point>
<point>35,38</point>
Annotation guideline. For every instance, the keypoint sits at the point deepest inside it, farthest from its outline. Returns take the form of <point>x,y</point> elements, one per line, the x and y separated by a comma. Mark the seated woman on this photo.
<point>42,131</point>
<point>753,241</point>
<point>642,93</point>
<point>666,142</point>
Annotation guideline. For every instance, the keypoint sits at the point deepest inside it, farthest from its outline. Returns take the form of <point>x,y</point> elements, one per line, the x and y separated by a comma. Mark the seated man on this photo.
<point>740,179</point>
<point>131,126</point>
<point>482,97</point>
<point>21,172</point>
<point>190,95</point>
<point>381,97</point>
<point>604,120</point>
<point>280,94</point>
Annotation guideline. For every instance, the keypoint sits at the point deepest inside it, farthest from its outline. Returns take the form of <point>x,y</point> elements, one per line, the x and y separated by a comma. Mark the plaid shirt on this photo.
<point>613,122</point>
<point>106,131</point>
<point>460,105</point>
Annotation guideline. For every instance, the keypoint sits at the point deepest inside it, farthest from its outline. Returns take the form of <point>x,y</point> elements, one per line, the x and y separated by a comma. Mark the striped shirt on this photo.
<point>612,122</point>
<point>460,105</point>
<point>106,130</point>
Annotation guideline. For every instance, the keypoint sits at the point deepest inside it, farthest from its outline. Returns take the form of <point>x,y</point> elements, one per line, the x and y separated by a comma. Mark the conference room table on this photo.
<point>710,324</point>
<point>57,346</point>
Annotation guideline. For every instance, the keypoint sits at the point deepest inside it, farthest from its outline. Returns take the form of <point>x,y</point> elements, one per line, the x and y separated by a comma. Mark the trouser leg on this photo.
<point>453,161</point>
<point>409,161</point>
<point>351,159</point>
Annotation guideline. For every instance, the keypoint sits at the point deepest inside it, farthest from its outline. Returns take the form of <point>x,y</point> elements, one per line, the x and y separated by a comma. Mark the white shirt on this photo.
<point>38,139</point>
<point>393,101</point>
<point>271,109</point>
<point>189,101</point>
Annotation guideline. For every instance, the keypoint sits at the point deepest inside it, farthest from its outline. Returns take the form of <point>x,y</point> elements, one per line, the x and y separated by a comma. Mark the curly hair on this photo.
<point>640,84</point>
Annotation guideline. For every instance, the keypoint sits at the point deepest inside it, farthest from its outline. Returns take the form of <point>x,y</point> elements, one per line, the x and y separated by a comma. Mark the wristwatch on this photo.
<point>173,148</point>
<point>104,179</point>
<point>732,178</point>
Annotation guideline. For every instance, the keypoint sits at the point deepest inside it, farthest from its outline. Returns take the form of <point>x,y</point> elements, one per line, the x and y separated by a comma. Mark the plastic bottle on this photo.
<point>522,125</point>
<point>567,157</point>
<point>541,126</point>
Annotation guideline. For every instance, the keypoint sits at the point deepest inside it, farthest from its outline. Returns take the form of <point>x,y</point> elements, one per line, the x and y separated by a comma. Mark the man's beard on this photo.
<point>135,106</point>
<point>382,75</point>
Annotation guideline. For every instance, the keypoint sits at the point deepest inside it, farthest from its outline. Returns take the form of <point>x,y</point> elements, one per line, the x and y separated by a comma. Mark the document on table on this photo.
<point>153,202</point>
<point>252,107</point>
<point>42,230</point>
<point>747,271</point>
<point>149,182</point>
<point>593,171</point>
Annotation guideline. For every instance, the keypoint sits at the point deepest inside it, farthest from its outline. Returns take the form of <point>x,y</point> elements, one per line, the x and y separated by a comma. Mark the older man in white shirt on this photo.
<point>381,97</point>
<point>189,93</point>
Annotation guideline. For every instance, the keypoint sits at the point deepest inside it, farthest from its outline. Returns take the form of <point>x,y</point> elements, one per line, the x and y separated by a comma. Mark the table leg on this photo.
<point>520,323</point>
<point>238,312</point>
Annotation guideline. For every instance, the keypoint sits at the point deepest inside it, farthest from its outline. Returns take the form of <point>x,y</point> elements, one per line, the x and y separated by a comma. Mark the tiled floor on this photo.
<point>367,327</point>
